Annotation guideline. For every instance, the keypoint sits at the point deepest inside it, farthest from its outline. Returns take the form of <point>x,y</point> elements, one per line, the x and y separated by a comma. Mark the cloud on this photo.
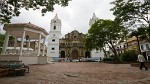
<point>75,16</point>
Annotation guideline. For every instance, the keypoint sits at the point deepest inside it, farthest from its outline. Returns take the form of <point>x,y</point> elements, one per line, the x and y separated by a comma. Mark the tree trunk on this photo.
<point>138,44</point>
<point>105,52</point>
<point>126,42</point>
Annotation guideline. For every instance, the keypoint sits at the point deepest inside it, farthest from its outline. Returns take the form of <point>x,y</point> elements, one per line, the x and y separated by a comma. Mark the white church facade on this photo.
<point>59,47</point>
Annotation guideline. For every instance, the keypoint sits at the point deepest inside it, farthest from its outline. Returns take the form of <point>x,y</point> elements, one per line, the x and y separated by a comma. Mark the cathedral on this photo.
<point>70,46</point>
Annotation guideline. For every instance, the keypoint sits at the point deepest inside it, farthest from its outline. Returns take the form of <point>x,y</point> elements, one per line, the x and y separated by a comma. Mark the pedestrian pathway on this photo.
<point>81,73</point>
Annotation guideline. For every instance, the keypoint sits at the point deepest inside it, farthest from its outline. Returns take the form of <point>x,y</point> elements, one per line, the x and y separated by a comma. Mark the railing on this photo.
<point>24,52</point>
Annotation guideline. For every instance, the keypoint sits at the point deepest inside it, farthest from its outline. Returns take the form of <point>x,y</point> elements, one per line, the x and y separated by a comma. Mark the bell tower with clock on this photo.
<point>54,36</point>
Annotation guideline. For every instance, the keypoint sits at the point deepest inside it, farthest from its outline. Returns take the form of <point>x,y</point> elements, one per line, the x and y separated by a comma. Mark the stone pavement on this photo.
<point>81,73</point>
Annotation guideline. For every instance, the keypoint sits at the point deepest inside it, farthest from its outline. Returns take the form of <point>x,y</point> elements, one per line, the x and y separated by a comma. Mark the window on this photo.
<point>75,37</point>
<point>54,27</point>
<point>53,48</point>
<point>142,47</point>
<point>53,34</point>
<point>53,40</point>
<point>147,47</point>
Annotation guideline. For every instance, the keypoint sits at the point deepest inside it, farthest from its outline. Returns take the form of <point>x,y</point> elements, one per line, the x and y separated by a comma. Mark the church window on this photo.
<point>54,27</point>
<point>53,40</point>
<point>53,48</point>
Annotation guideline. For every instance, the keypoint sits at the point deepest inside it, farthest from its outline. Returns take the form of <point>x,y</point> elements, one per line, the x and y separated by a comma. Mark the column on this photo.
<point>39,50</point>
<point>28,51</point>
<point>5,44</point>
<point>15,44</point>
<point>22,42</point>
<point>43,47</point>
<point>28,44</point>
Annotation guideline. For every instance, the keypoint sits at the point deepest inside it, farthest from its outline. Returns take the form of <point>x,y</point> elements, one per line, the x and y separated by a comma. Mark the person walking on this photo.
<point>141,59</point>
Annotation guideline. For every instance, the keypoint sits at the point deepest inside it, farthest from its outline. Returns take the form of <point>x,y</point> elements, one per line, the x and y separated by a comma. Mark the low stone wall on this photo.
<point>9,57</point>
<point>27,59</point>
<point>44,60</point>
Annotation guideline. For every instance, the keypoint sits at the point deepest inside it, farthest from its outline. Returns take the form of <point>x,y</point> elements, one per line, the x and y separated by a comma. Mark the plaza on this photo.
<point>81,73</point>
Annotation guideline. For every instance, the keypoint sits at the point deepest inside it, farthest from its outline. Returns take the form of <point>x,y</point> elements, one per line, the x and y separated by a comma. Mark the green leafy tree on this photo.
<point>11,8</point>
<point>132,11</point>
<point>129,56</point>
<point>105,32</point>
<point>2,37</point>
<point>136,34</point>
<point>11,40</point>
<point>87,42</point>
<point>140,34</point>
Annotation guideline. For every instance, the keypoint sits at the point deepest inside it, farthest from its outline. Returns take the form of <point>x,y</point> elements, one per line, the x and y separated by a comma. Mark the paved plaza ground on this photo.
<point>81,73</point>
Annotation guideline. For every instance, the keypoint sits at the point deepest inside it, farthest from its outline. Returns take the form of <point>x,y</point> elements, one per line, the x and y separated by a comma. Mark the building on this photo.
<point>54,36</point>
<point>71,46</point>
<point>26,32</point>
<point>132,44</point>
<point>93,20</point>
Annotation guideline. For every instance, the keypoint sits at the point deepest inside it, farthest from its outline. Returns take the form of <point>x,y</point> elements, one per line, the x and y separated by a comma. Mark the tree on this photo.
<point>11,8</point>
<point>132,11</point>
<point>105,32</point>
<point>136,34</point>
<point>87,42</point>
<point>11,41</point>
<point>2,37</point>
<point>140,34</point>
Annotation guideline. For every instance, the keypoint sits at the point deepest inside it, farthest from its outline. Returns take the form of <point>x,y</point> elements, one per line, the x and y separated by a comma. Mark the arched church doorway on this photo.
<point>74,54</point>
<point>62,54</point>
<point>87,54</point>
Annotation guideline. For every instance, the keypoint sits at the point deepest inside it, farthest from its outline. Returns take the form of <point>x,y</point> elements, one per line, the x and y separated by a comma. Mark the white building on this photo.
<point>95,53</point>
<point>54,36</point>
<point>26,32</point>
<point>93,20</point>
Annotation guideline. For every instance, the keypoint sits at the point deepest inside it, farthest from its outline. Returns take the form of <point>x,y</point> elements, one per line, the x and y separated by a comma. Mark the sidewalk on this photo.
<point>81,73</point>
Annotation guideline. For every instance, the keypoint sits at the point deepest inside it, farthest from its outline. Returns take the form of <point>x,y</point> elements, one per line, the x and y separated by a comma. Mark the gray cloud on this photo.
<point>75,16</point>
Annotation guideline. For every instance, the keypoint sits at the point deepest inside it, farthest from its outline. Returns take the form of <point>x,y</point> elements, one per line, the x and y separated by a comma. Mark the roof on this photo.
<point>29,25</point>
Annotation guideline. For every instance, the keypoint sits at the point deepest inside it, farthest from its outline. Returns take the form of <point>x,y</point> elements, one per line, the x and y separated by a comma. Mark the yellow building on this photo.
<point>132,43</point>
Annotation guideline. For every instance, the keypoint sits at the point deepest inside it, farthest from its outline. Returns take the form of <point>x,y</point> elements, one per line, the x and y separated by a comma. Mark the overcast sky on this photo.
<point>75,16</point>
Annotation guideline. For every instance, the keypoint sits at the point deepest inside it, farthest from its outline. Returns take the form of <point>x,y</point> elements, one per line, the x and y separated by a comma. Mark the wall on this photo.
<point>97,54</point>
<point>29,59</point>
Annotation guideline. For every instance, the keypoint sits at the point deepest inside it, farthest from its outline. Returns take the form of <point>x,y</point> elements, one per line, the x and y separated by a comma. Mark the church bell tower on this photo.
<point>93,19</point>
<point>54,36</point>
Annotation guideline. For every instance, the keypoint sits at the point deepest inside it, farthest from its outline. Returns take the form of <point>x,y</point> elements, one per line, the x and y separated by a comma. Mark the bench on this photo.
<point>14,67</point>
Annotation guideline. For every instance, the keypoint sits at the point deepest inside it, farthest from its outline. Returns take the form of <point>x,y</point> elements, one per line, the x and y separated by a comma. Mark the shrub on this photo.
<point>108,59</point>
<point>129,56</point>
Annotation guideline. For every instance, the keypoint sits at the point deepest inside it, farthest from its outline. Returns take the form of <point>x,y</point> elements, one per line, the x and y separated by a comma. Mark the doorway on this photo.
<point>75,54</point>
